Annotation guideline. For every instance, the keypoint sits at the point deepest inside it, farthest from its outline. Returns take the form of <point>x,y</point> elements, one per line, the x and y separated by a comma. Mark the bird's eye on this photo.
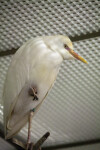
<point>66,47</point>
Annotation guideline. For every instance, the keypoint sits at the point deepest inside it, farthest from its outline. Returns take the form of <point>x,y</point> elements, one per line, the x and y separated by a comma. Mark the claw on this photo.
<point>33,92</point>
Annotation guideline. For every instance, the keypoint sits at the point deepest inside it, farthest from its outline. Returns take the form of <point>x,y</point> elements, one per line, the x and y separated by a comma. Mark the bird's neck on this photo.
<point>53,59</point>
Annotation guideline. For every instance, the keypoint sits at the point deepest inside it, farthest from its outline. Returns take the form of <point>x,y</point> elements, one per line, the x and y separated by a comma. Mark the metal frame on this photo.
<point>74,39</point>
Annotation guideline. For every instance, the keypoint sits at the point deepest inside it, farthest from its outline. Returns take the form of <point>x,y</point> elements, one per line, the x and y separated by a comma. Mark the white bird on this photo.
<point>31,75</point>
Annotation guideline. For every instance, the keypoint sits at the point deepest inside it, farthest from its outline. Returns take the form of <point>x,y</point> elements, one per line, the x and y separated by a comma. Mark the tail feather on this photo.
<point>16,128</point>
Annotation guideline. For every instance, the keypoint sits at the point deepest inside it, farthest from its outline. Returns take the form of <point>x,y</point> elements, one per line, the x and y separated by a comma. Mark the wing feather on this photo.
<point>24,72</point>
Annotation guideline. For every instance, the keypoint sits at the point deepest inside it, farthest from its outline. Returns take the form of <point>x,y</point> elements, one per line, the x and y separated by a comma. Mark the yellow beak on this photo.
<point>77,56</point>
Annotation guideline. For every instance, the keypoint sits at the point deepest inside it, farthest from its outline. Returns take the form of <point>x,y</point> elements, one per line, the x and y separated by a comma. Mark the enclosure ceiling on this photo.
<point>71,112</point>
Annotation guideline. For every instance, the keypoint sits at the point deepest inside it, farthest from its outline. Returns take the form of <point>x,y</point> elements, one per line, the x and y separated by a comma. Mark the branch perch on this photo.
<point>40,141</point>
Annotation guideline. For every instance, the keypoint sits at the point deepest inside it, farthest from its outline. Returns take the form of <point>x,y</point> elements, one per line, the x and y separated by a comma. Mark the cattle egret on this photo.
<point>31,74</point>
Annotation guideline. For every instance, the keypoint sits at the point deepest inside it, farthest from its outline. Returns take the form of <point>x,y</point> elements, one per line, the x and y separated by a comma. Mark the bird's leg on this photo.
<point>33,93</point>
<point>29,127</point>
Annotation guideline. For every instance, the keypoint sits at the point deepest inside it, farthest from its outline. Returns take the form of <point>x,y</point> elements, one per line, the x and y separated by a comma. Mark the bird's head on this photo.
<point>63,45</point>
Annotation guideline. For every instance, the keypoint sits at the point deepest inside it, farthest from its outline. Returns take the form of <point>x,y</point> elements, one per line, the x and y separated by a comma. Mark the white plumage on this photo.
<point>35,64</point>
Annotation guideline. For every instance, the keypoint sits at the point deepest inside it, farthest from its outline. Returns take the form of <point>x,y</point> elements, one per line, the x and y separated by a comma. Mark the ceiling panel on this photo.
<point>21,20</point>
<point>71,112</point>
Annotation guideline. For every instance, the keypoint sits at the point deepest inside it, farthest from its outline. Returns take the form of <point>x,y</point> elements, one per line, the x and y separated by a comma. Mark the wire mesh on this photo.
<point>21,20</point>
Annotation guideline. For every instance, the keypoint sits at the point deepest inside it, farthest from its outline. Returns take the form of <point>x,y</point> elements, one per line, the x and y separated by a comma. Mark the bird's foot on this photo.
<point>31,147</point>
<point>33,92</point>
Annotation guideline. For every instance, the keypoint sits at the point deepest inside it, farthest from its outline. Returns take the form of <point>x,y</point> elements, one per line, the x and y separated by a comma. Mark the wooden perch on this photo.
<point>40,141</point>
<point>33,146</point>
